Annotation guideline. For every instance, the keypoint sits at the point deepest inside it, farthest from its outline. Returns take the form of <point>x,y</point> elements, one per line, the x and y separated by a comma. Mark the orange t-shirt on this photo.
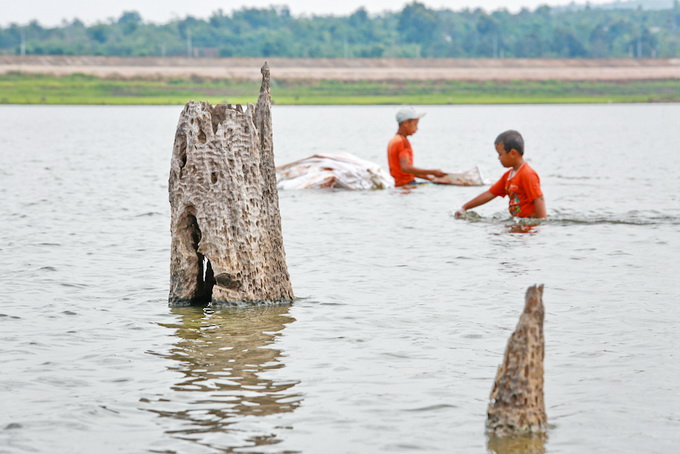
<point>399,147</point>
<point>522,189</point>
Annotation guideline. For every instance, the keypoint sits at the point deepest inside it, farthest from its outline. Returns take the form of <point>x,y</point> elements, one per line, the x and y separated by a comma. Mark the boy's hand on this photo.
<point>438,173</point>
<point>460,213</point>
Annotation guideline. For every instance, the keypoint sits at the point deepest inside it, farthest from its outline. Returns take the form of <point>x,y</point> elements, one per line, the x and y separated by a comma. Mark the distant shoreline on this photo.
<point>172,81</point>
<point>349,69</point>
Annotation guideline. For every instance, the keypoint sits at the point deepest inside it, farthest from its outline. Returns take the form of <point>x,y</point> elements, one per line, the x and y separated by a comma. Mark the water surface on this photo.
<point>403,311</point>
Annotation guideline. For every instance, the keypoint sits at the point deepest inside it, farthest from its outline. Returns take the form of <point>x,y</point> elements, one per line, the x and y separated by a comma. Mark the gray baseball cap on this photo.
<point>408,113</point>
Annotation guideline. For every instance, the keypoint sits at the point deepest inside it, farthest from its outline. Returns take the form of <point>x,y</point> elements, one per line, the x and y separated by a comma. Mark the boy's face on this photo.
<point>410,126</point>
<point>506,158</point>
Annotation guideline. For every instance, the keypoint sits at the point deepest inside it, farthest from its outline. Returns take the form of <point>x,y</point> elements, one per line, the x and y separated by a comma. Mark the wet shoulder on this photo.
<point>528,170</point>
<point>399,142</point>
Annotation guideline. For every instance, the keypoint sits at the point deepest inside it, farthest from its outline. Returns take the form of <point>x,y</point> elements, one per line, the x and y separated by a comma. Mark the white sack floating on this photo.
<point>472,177</point>
<point>346,171</point>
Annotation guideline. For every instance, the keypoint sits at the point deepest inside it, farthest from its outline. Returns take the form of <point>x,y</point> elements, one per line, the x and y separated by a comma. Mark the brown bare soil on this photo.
<point>350,69</point>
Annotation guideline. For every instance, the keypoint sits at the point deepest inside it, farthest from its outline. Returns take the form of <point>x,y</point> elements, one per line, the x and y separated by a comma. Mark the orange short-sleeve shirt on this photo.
<point>399,147</point>
<point>522,189</point>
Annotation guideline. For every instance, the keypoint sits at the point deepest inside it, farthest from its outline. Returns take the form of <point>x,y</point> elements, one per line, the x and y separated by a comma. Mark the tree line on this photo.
<point>414,31</point>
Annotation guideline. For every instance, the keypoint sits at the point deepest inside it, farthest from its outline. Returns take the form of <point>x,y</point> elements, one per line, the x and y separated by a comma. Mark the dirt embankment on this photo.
<point>351,69</point>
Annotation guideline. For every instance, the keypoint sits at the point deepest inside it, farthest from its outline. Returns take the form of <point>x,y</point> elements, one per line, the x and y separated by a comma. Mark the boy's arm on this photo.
<point>481,199</point>
<point>539,208</point>
<point>422,173</point>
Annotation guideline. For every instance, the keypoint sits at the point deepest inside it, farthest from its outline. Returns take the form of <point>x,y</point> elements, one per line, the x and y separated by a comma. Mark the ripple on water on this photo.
<point>47,268</point>
<point>406,310</point>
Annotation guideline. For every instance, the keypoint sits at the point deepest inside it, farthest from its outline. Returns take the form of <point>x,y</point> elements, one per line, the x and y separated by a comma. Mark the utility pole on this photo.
<point>22,46</point>
<point>346,46</point>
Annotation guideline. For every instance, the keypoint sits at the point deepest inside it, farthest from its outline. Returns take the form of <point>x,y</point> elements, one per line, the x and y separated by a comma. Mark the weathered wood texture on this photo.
<point>227,246</point>
<point>517,404</point>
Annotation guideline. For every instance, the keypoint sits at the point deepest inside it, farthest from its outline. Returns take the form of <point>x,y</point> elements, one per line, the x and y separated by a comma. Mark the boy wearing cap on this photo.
<point>521,183</point>
<point>400,153</point>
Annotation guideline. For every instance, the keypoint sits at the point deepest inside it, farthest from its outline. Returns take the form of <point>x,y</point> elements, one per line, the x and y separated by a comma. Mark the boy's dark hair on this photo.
<point>511,139</point>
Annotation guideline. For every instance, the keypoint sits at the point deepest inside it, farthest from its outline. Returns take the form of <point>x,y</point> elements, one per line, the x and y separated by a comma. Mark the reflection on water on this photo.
<point>222,357</point>
<point>523,228</point>
<point>525,444</point>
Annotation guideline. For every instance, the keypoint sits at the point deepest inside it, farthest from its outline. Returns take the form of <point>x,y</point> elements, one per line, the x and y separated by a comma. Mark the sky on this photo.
<point>53,12</point>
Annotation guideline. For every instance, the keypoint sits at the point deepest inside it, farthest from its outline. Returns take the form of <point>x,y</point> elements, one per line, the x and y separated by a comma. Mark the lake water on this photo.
<point>403,312</point>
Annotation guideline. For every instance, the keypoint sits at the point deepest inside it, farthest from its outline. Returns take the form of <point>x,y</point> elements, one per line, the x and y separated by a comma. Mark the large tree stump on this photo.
<point>517,404</point>
<point>227,246</point>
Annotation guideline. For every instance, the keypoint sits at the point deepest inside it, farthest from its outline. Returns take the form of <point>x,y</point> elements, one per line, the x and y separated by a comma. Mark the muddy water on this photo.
<point>403,311</point>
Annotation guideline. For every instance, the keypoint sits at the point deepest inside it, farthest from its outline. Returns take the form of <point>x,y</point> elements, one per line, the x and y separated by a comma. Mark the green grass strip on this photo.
<point>23,88</point>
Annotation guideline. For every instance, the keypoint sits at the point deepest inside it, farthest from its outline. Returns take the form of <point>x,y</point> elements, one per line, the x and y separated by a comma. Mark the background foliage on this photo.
<point>415,31</point>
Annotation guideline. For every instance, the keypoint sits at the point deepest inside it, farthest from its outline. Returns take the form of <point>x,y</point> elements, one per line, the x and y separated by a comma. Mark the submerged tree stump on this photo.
<point>227,246</point>
<point>516,404</point>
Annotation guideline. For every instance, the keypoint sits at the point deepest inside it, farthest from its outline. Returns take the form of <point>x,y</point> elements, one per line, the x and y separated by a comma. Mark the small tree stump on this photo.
<point>516,403</point>
<point>227,246</point>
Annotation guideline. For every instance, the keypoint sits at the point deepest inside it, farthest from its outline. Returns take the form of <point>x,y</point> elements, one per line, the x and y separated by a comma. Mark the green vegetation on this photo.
<point>18,88</point>
<point>415,31</point>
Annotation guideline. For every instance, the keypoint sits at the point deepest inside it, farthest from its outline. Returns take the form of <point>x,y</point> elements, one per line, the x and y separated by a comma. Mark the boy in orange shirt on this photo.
<point>521,183</point>
<point>400,153</point>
